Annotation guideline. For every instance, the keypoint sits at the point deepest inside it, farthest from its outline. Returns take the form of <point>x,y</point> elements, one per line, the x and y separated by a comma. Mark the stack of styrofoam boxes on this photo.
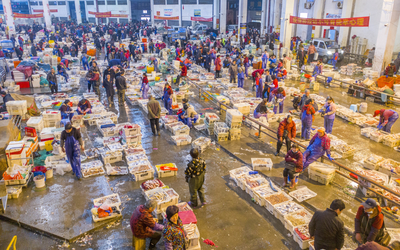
<point>131,134</point>
<point>18,76</point>
<point>244,108</point>
<point>54,61</point>
<point>171,198</point>
<point>35,122</point>
<point>321,173</point>
<point>260,164</point>
<point>36,80</point>
<point>234,120</point>
<point>46,134</point>
<point>51,118</point>
<point>16,153</point>
<point>9,83</point>
<point>351,69</point>
<point>17,107</point>
<point>210,119</point>
<point>221,131</point>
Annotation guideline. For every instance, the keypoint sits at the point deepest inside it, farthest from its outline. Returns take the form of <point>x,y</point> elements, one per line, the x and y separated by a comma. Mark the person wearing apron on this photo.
<point>329,114</point>
<point>307,118</point>
<point>145,87</point>
<point>72,144</point>
<point>84,107</point>
<point>264,59</point>
<point>65,110</point>
<point>261,109</point>
<point>167,98</point>
<point>278,95</point>
<point>319,145</point>
<point>387,118</point>
<point>241,70</point>
<point>155,65</point>
<point>272,87</point>
<point>246,65</point>
<point>259,86</point>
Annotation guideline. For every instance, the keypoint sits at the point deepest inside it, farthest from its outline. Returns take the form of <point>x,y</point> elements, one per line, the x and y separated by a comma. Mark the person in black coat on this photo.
<point>52,79</point>
<point>33,50</point>
<point>6,98</point>
<point>301,56</point>
<point>108,85</point>
<point>120,83</point>
<point>207,64</point>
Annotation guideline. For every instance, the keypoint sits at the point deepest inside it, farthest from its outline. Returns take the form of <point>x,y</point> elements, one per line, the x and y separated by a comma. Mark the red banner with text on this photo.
<point>201,19</point>
<point>166,17</point>
<point>41,11</point>
<point>119,15</point>
<point>18,15</point>
<point>343,22</point>
<point>100,14</point>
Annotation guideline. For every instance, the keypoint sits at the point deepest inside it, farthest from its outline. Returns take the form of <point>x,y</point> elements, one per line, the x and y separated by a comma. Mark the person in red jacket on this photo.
<point>286,131</point>
<point>369,223</point>
<point>183,73</point>
<point>293,165</point>
<point>218,66</point>
<point>387,117</point>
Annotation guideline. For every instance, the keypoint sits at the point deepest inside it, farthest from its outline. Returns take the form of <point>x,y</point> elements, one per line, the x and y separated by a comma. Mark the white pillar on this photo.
<point>286,26</point>
<point>9,17</point>
<point>216,13</point>
<point>78,12</point>
<point>318,13</point>
<point>344,31</point>
<point>386,36</point>
<point>222,19</point>
<point>151,12</point>
<point>130,13</point>
<point>263,16</point>
<point>277,15</point>
<point>240,17</point>
<point>46,14</point>
<point>243,16</point>
<point>180,13</point>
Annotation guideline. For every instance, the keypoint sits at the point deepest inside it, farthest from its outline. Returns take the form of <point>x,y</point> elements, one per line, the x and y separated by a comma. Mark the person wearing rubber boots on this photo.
<point>278,97</point>
<point>167,98</point>
<point>293,166</point>
<point>387,117</point>
<point>307,118</point>
<point>194,175</point>
<point>286,131</point>
<point>319,145</point>
<point>241,70</point>
<point>72,144</point>
<point>265,58</point>
<point>259,85</point>
<point>329,114</point>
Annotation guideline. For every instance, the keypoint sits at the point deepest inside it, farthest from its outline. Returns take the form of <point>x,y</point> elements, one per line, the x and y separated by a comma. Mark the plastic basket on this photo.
<point>285,208</point>
<point>112,158</point>
<point>17,107</point>
<point>222,136</point>
<point>302,194</point>
<point>161,204</point>
<point>166,173</point>
<point>270,206</point>
<point>303,216</point>
<point>385,81</point>
<point>181,140</point>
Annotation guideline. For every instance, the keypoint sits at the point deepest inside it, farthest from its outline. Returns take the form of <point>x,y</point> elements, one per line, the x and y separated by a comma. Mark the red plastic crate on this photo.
<point>385,81</point>
<point>31,132</point>
<point>24,84</point>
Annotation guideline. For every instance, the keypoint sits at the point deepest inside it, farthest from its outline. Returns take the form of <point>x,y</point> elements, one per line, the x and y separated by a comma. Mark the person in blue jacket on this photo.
<point>272,64</point>
<point>265,58</point>
<point>317,69</point>
<point>167,98</point>
<point>66,111</point>
<point>85,62</point>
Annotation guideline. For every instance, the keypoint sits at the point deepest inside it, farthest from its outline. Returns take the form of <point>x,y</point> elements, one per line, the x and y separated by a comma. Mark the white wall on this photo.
<point>302,29</point>
<point>63,10</point>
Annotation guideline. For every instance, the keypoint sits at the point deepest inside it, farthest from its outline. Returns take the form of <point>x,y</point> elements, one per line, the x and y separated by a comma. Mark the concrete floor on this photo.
<point>231,219</point>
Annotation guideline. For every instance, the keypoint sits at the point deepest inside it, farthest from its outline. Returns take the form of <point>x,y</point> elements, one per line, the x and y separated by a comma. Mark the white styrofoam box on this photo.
<point>47,133</point>
<point>35,122</point>
<point>17,107</point>
<point>261,163</point>
<point>51,115</point>
<point>166,173</point>
<point>9,83</point>
<point>234,115</point>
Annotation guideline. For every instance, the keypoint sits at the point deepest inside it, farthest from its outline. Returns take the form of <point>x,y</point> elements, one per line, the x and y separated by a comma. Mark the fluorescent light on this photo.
<point>303,15</point>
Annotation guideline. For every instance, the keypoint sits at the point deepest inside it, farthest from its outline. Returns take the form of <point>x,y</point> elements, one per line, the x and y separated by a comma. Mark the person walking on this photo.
<point>327,228</point>
<point>108,85</point>
<point>369,224</point>
<point>120,83</point>
<point>329,114</point>
<point>265,58</point>
<point>52,79</point>
<point>154,108</point>
<point>259,85</point>
<point>301,56</point>
<point>311,52</point>
<point>145,87</point>
<point>387,117</point>
<point>72,144</point>
<point>218,65</point>
<point>143,225</point>
<point>167,97</point>
<point>286,131</point>
<point>173,233</point>
<point>233,71</point>
<point>293,166</point>
<point>307,118</point>
<point>241,70</point>
<point>318,146</point>
<point>194,175</point>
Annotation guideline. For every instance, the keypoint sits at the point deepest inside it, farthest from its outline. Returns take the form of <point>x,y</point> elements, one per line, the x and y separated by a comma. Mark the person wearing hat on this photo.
<point>173,233</point>
<point>286,131</point>
<point>328,111</point>
<point>52,79</point>
<point>143,225</point>
<point>387,117</point>
<point>6,98</point>
<point>307,118</point>
<point>372,245</point>
<point>278,96</point>
<point>72,144</point>
<point>84,107</point>
<point>261,109</point>
<point>66,111</point>
<point>194,175</point>
<point>293,165</point>
<point>189,115</point>
<point>183,73</point>
<point>318,146</point>
<point>369,223</point>
<point>327,228</point>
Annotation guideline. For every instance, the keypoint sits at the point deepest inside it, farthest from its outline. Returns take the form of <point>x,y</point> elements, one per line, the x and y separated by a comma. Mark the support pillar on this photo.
<point>243,17</point>
<point>78,12</point>
<point>263,16</point>
<point>286,26</point>
<point>9,17</point>
<point>277,15</point>
<point>216,13</point>
<point>46,14</point>
<point>180,13</point>
<point>319,11</point>
<point>386,36</point>
<point>222,20</point>
<point>347,12</point>
<point>151,12</point>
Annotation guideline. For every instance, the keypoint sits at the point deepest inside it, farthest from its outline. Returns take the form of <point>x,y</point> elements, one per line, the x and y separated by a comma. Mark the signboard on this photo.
<point>100,14</point>
<point>41,11</point>
<point>201,19</point>
<point>197,12</point>
<point>168,12</point>
<point>119,15</point>
<point>341,22</point>
<point>243,26</point>
<point>166,17</point>
<point>158,13</point>
<point>18,15</point>
<point>328,15</point>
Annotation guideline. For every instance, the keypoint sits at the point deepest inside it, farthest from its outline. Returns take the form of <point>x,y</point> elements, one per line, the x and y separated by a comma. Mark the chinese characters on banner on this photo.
<point>344,22</point>
<point>100,14</point>
<point>18,15</point>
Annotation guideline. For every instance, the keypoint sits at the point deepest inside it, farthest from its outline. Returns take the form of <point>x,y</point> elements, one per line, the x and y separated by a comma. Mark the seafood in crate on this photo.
<point>92,168</point>
<point>372,162</point>
<point>112,200</point>
<point>173,195</point>
<point>110,140</point>
<point>151,184</point>
<point>192,236</point>
<point>141,170</point>
<point>181,140</point>
<point>377,135</point>
<point>259,193</point>
<point>116,170</point>
<point>211,118</point>
<point>367,131</point>
<point>391,140</point>
<point>296,219</point>
<point>345,150</point>
<point>109,131</point>
<point>302,194</point>
<point>134,151</point>
<point>169,119</point>
<point>136,157</point>
<point>275,199</point>
<point>261,163</point>
<point>389,167</point>
<point>166,170</point>
<point>235,173</point>
<point>180,129</point>
<point>220,128</point>
<point>201,143</point>
<point>111,157</point>
<point>254,183</point>
<point>115,146</point>
<point>160,196</point>
<point>285,208</point>
<point>302,236</point>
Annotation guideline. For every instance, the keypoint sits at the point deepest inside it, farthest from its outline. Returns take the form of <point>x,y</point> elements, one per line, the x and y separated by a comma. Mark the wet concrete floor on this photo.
<point>231,219</point>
